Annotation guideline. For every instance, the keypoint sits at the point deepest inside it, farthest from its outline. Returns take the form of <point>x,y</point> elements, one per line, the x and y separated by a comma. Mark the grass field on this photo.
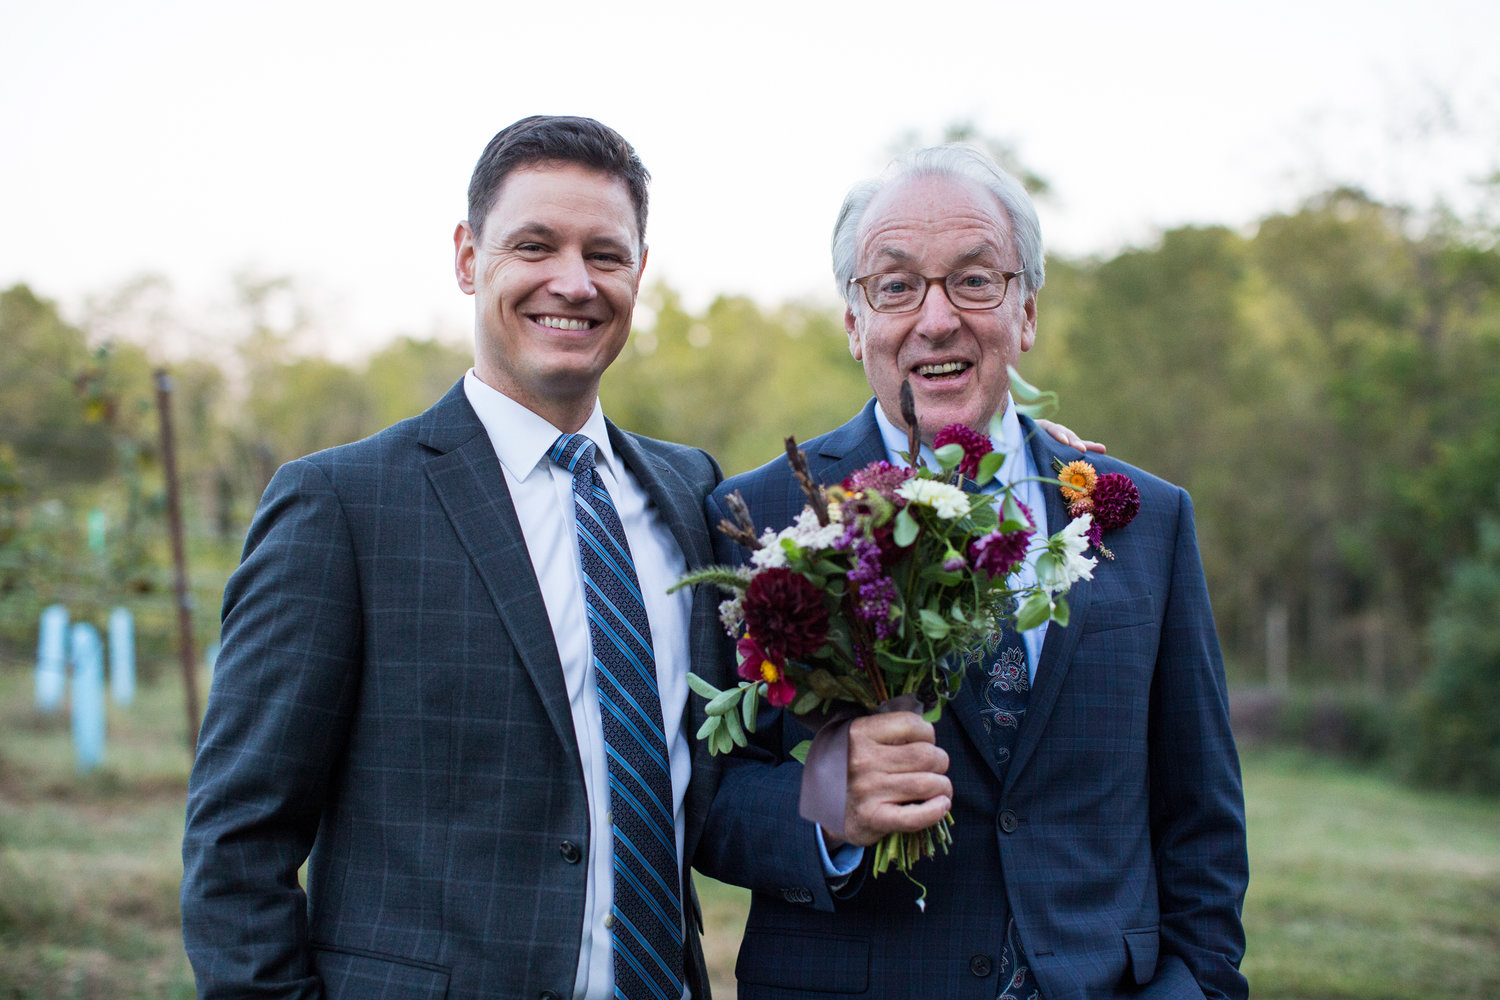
<point>1360,889</point>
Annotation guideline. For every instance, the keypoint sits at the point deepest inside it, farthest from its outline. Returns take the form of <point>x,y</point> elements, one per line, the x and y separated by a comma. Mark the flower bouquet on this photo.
<point>867,601</point>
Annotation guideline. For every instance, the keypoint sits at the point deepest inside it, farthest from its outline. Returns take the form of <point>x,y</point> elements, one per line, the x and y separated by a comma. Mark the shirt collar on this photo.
<point>521,438</point>
<point>1008,441</point>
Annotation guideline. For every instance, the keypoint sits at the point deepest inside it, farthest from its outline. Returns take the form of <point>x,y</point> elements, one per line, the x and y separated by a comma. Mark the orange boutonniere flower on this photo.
<point>1112,498</point>
<point>1078,479</point>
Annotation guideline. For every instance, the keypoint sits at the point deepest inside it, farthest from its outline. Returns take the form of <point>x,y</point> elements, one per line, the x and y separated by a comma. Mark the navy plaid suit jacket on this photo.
<point>389,698</point>
<point>1117,839</point>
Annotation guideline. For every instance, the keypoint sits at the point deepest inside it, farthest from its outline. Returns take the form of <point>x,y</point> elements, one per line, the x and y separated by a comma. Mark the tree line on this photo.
<point>1326,385</point>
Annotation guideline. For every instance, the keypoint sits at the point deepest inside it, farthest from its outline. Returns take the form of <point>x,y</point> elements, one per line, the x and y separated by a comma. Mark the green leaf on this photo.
<point>800,751</point>
<point>702,687</point>
<point>988,466</point>
<point>1029,399</point>
<point>723,702</point>
<point>934,626</point>
<point>823,684</point>
<point>906,528</point>
<point>1035,611</point>
<point>937,574</point>
<point>949,455</point>
<point>736,728</point>
<point>706,730</point>
<point>805,702</point>
<point>1011,510</point>
<point>1060,610</point>
<point>749,707</point>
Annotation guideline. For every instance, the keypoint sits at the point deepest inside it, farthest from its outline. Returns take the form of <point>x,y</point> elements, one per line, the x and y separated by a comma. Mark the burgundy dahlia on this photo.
<point>784,611</point>
<point>1116,501</point>
<point>975,446</point>
<point>998,553</point>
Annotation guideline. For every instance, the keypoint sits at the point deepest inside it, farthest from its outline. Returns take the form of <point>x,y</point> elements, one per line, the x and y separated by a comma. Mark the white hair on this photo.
<point>956,159</point>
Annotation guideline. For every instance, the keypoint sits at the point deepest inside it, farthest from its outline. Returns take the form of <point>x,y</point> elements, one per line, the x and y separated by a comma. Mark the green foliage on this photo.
<point>736,380</point>
<point>1456,735</point>
<point>1328,390</point>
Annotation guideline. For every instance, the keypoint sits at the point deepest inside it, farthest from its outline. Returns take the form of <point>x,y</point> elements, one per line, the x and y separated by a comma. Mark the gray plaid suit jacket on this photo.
<point>389,706</point>
<point>1117,838</point>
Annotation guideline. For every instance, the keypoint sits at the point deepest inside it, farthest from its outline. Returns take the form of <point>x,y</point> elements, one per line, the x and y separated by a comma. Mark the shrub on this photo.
<point>1456,711</point>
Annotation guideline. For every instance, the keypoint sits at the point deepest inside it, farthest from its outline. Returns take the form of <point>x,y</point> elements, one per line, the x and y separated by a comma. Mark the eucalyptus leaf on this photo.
<point>800,751</point>
<point>702,687</point>
<point>906,528</point>
<point>988,466</point>
<point>736,728</point>
<point>949,455</point>
<point>750,707</point>
<point>1012,511</point>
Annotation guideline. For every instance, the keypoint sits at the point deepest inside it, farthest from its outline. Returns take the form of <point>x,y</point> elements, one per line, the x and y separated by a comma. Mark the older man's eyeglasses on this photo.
<point>905,291</point>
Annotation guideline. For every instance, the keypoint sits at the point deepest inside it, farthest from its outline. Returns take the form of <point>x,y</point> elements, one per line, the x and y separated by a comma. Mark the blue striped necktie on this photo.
<point>646,920</point>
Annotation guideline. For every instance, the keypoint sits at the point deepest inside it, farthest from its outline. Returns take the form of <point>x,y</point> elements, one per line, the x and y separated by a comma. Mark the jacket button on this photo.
<point>570,852</point>
<point>1008,822</point>
<point>980,965</point>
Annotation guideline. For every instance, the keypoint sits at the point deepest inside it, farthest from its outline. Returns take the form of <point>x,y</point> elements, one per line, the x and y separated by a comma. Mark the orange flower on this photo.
<point>1077,479</point>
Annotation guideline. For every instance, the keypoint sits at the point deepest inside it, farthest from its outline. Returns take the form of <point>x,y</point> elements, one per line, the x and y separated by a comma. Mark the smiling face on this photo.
<point>554,275</point>
<point>955,359</point>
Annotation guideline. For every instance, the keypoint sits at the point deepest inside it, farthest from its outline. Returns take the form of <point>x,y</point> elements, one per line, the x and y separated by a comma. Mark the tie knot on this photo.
<point>574,452</point>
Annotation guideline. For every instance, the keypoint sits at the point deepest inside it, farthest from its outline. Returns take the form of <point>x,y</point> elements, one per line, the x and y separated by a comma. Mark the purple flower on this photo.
<point>974,444</point>
<point>999,553</point>
<point>1116,501</point>
<point>879,477</point>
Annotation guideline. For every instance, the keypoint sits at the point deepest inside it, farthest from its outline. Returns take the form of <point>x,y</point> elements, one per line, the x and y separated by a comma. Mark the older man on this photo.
<point>1099,843</point>
<point>451,679</point>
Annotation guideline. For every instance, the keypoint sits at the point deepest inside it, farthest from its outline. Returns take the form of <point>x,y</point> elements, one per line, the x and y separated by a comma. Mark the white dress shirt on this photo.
<point>542,493</point>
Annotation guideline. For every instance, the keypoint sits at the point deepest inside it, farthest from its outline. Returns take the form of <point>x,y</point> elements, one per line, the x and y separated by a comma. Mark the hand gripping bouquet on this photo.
<point>869,601</point>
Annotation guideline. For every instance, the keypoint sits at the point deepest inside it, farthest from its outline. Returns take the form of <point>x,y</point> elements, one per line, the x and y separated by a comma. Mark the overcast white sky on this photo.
<point>332,141</point>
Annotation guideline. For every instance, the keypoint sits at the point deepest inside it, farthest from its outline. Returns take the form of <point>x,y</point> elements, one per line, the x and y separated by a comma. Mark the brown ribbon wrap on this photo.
<point>825,773</point>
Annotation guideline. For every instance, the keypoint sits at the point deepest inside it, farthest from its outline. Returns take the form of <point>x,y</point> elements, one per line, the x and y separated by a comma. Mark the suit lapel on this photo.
<point>1057,649</point>
<point>470,485</point>
<point>847,449</point>
<point>672,496</point>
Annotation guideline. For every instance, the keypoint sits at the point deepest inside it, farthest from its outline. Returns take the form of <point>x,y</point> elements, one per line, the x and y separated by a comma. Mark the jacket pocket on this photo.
<point>370,976</point>
<point>1142,946</point>
<point>821,963</point>
<point>1103,616</point>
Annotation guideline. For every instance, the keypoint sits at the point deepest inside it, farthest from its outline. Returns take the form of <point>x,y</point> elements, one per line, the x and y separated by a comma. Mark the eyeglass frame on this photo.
<point>942,280</point>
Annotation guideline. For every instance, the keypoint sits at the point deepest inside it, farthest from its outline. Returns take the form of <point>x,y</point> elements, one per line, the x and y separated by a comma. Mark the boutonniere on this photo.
<point>1112,499</point>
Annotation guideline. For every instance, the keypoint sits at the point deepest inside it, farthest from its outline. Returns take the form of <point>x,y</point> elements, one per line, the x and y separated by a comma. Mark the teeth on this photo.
<point>564,323</point>
<point>947,368</point>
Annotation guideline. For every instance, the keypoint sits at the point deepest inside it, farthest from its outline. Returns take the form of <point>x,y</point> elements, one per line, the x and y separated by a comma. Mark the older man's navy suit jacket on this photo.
<point>1117,838</point>
<point>390,699</point>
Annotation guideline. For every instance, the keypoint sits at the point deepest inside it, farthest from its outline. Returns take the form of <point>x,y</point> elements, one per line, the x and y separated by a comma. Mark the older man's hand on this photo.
<point>1064,435</point>
<point>898,780</point>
